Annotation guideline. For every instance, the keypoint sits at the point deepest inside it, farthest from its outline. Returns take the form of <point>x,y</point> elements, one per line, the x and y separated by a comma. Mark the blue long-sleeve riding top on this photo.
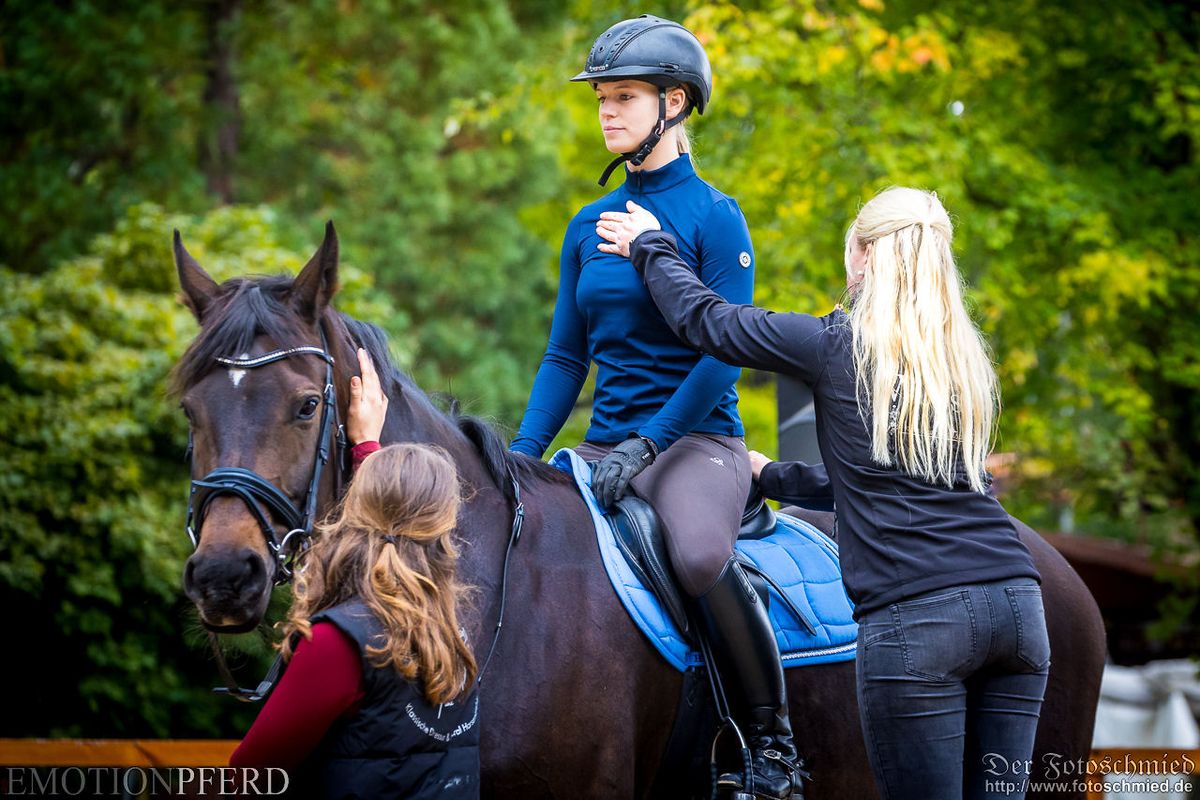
<point>647,381</point>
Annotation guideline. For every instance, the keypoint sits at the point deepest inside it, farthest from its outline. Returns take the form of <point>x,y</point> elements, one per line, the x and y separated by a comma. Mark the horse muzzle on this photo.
<point>230,587</point>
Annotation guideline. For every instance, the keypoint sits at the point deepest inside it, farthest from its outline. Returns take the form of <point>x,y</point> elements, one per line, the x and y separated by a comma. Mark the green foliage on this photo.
<point>1062,139</point>
<point>99,106</point>
<point>405,122</point>
<point>410,126</point>
<point>93,482</point>
<point>1060,143</point>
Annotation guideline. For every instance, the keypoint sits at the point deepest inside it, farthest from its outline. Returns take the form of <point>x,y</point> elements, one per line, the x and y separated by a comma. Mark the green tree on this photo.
<point>100,109</point>
<point>1061,136</point>
<point>406,122</point>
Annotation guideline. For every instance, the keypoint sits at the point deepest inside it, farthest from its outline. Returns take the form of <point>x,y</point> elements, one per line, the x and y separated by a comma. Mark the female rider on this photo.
<point>664,417</point>
<point>953,652</point>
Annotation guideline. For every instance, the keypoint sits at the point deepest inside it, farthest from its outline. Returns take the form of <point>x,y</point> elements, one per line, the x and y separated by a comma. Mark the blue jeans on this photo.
<point>950,687</point>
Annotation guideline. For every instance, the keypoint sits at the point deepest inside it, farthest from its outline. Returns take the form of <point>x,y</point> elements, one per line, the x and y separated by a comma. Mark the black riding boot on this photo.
<point>734,615</point>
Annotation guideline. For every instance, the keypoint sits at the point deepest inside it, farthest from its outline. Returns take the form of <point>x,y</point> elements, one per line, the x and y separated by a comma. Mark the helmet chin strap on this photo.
<point>650,142</point>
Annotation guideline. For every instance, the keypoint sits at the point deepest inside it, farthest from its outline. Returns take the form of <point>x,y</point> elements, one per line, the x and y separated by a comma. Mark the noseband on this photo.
<point>265,500</point>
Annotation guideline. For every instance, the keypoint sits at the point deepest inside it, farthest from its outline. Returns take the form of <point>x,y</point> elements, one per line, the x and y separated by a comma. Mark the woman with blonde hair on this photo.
<point>378,698</point>
<point>953,652</point>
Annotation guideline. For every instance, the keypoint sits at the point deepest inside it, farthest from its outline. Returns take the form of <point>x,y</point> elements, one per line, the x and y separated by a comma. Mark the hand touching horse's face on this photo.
<point>265,419</point>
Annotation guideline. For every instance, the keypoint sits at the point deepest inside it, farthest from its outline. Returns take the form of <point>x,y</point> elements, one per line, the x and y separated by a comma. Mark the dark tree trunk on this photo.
<point>219,138</point>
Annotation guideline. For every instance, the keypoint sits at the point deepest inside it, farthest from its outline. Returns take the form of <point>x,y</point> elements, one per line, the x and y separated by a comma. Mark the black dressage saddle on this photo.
<point>640,537</point>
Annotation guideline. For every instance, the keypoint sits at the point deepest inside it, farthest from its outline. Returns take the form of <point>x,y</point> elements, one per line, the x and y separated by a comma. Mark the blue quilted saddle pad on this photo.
<point>801,559</point>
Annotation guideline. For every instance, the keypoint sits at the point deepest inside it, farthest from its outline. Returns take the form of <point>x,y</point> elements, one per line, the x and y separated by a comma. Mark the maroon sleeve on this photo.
<point>359,453</point>
<point>322,682</point>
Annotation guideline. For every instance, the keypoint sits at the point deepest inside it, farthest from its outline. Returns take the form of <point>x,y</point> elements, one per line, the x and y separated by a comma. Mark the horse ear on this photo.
<point>199,288</point>
<point>316,284</point>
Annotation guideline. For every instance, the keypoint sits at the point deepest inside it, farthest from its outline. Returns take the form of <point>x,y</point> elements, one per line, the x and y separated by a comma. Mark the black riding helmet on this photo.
<point>657,51</point>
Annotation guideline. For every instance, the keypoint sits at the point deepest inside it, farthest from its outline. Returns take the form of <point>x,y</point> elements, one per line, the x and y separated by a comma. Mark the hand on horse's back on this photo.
<point>368,403</point>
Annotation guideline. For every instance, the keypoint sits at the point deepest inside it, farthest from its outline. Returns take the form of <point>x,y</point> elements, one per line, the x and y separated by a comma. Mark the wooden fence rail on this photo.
<point>116,752</point>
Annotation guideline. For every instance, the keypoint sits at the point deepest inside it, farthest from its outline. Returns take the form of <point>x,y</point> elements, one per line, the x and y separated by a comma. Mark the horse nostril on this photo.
<point>254,570</point>
<point>189,579</point>
<point>211,576</point>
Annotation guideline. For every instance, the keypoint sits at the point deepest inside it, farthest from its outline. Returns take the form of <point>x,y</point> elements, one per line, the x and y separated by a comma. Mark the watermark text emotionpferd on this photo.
<point>143,781</point>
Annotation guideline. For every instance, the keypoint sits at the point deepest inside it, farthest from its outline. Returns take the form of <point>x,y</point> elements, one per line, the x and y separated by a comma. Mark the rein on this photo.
<point>514,535</point>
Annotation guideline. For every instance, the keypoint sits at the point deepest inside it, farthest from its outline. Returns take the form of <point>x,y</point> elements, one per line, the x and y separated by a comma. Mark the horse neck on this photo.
<point>411,416</point>
<point>485,521</point>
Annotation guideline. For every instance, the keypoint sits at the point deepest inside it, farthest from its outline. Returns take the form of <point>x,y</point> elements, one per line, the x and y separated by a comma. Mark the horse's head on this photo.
<point>256,386</point>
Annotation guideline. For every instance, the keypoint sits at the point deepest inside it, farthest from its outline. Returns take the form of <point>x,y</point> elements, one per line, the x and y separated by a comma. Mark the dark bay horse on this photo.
<point>576,703</point>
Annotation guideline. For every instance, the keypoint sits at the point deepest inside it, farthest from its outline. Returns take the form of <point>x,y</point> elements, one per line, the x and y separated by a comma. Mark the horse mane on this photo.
<point>502,464</point>
<point>373,339</point>
<point>258,306</point>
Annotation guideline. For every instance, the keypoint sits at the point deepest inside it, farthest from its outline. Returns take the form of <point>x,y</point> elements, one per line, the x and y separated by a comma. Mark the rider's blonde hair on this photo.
<point>926,385</point>
<point>391,544</point>
<point>683,140</point>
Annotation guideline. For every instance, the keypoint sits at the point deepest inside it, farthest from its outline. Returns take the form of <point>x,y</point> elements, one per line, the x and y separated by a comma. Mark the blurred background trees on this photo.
<point>447,145</point>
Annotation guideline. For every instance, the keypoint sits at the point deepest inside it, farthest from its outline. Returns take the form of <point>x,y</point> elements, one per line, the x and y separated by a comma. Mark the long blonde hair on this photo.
<point>922,366</point>
<point>390,544</point>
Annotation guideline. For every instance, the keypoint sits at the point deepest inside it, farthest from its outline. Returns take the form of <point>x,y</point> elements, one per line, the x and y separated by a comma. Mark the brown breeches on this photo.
<point>698,486</point>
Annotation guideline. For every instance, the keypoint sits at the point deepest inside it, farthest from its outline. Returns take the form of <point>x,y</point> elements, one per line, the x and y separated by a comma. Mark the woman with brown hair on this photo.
<point>378,696</point>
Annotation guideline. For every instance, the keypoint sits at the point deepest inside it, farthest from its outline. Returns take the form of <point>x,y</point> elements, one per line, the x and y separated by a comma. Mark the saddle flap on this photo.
<point>802,563</point>
<point>640,536</point>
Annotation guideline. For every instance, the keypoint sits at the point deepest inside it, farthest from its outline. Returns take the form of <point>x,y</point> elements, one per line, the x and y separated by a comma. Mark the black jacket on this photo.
<point>898,535</point>
<point>397,745</point>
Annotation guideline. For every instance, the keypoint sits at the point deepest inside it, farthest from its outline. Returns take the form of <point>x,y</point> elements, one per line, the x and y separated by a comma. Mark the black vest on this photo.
<point>397,745</point>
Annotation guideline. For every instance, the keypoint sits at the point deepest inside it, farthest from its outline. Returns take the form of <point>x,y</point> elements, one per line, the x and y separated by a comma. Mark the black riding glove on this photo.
<point>611,478</point>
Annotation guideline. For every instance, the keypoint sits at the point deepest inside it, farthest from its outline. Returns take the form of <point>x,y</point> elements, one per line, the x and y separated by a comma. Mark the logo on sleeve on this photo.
<point>744,259</point>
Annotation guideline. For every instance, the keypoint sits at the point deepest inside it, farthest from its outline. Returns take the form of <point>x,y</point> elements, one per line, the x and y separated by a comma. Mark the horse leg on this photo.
<point>1077,652</point>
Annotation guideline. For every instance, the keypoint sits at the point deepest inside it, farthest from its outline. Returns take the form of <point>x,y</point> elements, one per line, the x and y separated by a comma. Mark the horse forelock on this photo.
<point>245,309</point>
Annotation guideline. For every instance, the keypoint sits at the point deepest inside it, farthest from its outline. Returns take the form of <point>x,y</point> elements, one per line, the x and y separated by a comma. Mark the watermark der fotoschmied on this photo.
<point>143,781</point>
<point>1056,773</point>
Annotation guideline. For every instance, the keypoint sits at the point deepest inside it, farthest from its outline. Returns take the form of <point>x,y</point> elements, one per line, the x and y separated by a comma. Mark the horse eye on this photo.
<point>309,408</point>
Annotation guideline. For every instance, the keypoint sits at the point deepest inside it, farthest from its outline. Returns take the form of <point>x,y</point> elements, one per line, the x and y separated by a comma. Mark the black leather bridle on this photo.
<point>256,492</point>
<point>266,501</point>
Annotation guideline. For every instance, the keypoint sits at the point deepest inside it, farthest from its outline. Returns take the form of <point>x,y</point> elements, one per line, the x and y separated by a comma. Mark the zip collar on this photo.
<point>665,177</point>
